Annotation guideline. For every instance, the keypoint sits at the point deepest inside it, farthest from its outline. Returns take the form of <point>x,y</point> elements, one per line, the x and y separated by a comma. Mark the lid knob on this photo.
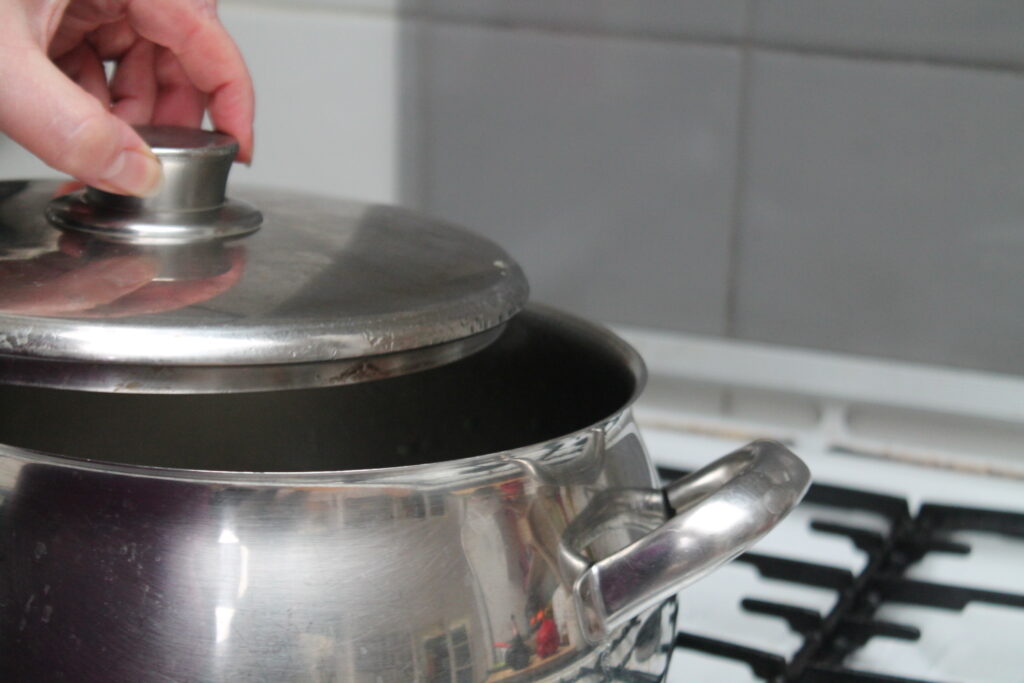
<point>190,206</point>
<point>195,163</point>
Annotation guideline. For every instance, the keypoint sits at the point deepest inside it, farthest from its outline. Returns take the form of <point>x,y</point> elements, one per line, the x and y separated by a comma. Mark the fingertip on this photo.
<point>136,172</point>
<point>231,111</point>
<point>245,153</point>
<point>244,138</point>
<point>245,143</point>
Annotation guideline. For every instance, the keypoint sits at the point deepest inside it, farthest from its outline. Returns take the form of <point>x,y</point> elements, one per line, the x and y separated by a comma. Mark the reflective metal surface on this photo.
<point>434,566</point>
<point>323,280</point>
<point>189,207</point>
<point>716,514</point>
<point>190,380</point>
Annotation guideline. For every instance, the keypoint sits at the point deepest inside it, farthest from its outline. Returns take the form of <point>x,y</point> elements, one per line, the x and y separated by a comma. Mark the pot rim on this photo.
<point>383,476</point>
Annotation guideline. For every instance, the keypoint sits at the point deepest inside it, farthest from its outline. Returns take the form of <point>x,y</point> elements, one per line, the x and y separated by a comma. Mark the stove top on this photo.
<point>857,585</point>
<point>905,562</point>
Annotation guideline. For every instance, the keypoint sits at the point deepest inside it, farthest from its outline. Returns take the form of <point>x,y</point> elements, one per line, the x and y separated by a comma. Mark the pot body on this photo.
<point>116,577</point>
<point>554,561</point>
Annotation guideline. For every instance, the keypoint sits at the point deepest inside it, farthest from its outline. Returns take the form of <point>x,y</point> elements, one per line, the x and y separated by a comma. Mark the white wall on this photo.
<point>326,105</point>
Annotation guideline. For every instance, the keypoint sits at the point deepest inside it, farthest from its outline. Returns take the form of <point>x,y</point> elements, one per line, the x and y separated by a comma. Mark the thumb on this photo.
<point>69,129</point>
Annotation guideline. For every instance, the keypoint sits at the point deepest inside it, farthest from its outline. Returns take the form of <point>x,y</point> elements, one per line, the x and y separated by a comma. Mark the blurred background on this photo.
<point>843,175</point>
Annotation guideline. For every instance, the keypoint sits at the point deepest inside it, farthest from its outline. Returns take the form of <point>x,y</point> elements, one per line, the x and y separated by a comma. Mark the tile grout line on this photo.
<point>736,217</point>
<point>889,57</point>
<point>680,38</point>
<point>421,189</point>
<point>739,187</point>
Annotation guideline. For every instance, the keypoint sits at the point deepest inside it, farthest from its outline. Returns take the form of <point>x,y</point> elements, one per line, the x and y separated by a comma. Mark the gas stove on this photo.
<point>905,562</point>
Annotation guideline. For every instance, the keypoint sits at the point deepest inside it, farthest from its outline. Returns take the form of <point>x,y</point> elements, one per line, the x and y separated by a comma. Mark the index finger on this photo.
<point>191,30</point>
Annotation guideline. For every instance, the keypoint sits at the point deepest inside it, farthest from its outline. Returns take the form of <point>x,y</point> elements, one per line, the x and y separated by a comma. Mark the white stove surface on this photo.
<point>982,643</point>
<point>960,444</point>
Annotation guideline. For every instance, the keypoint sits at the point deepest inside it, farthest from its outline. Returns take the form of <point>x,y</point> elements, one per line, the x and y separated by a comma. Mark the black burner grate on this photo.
<point>828,639</point>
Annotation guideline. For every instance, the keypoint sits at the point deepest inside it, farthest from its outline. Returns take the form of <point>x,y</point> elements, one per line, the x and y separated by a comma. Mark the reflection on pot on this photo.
<point>356,583</point>
<point>77,275</point>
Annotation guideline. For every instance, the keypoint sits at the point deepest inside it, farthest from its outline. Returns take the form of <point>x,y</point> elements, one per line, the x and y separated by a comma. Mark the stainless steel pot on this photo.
<point>331,448</point>
<point>494,519</point>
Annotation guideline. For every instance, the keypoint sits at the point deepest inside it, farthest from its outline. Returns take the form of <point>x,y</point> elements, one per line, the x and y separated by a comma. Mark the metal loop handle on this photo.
<point>718,512</point>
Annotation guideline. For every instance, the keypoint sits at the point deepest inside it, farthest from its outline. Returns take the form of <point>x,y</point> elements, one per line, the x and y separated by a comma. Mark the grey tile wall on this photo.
<point>976,31</point>
<point>694,18</point>
<point>605,166</point>
<point>883,211</point>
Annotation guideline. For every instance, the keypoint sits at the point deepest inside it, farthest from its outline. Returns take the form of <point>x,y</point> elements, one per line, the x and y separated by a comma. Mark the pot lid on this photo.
<point>188,291</point>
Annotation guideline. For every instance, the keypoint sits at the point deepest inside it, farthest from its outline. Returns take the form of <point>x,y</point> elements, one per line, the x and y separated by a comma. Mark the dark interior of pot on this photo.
<point>543,378</point>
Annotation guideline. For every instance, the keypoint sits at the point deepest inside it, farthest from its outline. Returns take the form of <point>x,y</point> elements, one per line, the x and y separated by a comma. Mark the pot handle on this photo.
<point>717,513</point>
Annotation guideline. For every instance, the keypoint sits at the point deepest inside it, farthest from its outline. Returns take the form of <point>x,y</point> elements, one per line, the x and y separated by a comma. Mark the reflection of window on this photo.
<point>436,504</point>
<point>448,657</point>
<point>438,661</point>
<point>461,655</point>
<point>390,651</point>
<point>414,507</point>
<point>368,510</point>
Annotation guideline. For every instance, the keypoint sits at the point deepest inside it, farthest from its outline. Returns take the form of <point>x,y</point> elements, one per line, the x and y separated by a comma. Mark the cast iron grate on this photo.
<point>829,639</point>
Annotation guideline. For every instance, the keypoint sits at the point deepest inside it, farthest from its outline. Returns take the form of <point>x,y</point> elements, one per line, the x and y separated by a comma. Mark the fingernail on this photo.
<point>136,173</point>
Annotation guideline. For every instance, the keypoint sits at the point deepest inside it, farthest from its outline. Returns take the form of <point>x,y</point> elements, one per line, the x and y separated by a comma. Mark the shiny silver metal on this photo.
<point>348,285</point>
<point>191,205</point>
<point>408,529</point>
<point>190,380</point>
<point>716,513</point>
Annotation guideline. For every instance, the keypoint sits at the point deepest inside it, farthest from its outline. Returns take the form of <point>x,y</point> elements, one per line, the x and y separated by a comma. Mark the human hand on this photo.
<point>174,61</point>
